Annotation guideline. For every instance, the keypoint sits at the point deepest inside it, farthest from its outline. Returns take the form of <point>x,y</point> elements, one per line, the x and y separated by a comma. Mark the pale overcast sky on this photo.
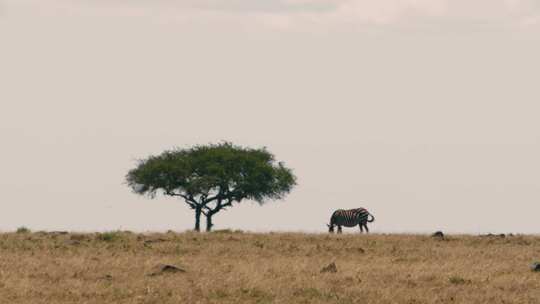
<point>426,112</point>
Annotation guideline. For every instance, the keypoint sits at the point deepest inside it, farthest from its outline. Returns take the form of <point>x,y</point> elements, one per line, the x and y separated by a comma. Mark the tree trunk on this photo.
<point>198,212</point>
<point>209,222</point>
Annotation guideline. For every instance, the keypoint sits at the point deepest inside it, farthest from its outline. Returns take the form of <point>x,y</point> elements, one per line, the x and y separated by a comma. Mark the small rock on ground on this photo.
<point>150,241</point>
<point>166,268</point>
<point>330,268</point>
<point>438,234</point>
<point>535,266</point>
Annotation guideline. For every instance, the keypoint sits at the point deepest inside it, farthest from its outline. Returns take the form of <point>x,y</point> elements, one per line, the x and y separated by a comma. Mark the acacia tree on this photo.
<point>211,178</point>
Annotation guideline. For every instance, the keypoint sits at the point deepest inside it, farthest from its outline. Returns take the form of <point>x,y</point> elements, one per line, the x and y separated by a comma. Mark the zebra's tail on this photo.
<point>372,218</point>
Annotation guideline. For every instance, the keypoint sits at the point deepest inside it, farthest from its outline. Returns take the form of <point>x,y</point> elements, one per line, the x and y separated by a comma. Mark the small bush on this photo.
<point>458,280</point>
<point>256,295</point>
<point>219,294</point>
<point>110,236</point>
<point>312,294</point>
<point>225,231</point>
<point>23,230</point>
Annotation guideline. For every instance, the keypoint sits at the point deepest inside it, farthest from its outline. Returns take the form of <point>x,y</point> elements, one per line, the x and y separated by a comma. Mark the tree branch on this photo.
<point>187,198</point>
<point>219,206</point>
<point>219,195</point>
<point>227,204</point>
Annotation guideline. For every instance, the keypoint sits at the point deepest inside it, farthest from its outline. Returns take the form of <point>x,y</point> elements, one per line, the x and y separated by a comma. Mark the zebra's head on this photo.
<point>330,228</point>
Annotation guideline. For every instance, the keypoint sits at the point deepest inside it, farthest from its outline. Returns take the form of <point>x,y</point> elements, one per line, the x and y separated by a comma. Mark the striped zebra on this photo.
<point>350,218</point>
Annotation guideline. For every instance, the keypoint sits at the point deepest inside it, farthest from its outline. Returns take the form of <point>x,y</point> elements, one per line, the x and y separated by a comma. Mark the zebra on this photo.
<point>350,218</point>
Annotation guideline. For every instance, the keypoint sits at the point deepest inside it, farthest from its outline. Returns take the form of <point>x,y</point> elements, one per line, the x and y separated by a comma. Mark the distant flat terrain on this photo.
<point>236,267</point>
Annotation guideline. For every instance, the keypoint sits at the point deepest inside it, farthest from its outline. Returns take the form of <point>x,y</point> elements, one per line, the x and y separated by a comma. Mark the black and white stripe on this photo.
<point>350,218</point>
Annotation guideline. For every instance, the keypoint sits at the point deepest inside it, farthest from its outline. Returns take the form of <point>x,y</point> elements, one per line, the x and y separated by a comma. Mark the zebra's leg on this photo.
<point>365,226</point>
<point>361,230</point>
<point>339,229</point>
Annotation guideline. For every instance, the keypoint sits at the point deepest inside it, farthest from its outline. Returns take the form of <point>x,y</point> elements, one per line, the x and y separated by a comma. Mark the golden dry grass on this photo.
<point>234,267</point>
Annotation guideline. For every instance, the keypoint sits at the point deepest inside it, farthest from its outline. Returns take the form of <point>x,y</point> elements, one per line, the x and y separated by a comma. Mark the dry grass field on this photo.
<point>235,267</point>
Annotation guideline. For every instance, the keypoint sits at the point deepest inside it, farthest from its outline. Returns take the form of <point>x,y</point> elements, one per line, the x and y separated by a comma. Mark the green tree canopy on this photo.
<point>210,178</point>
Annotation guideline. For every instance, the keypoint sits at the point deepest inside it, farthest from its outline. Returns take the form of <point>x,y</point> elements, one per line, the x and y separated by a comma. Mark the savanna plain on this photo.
<point>236,267</point>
